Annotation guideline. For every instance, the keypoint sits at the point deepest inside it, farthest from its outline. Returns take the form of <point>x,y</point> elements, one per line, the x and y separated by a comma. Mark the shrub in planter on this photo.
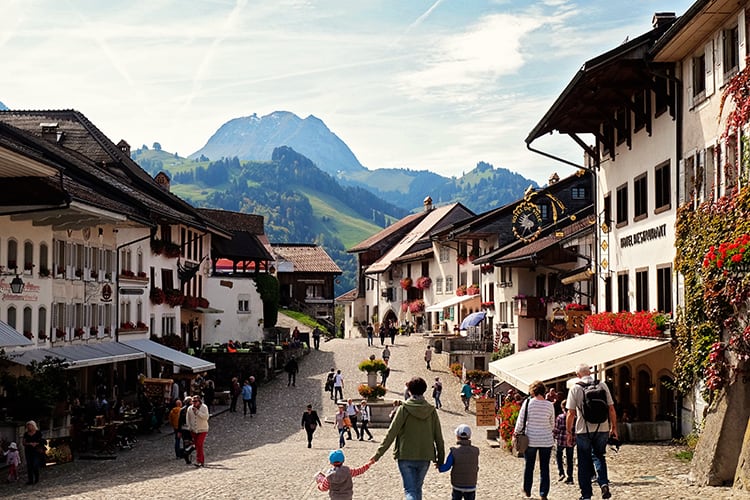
<point>461,290</point>
<point>372,365</point>
<point>371,392</point>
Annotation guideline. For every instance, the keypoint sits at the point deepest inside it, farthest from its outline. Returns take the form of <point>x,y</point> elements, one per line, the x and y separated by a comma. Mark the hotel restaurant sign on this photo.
<point>644,236</point>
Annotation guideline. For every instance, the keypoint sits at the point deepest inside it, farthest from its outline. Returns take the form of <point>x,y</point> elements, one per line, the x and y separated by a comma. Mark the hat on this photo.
<point>336,456</point>
<point>13,446</point>
<point>463,431</point>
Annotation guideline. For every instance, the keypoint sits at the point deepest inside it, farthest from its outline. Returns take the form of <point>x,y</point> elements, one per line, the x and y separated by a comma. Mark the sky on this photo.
<point>434,85</point>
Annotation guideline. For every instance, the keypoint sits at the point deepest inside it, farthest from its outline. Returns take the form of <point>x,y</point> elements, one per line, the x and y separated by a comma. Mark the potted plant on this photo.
<point>94,331</point>
<point>42,335</point>
<point>406,283</point>
<point>371,393</point>
<point>461,290</point>
<point>416,306</point>
<point>28,334</point>
<point>372,367</point>
<point>424,282</point>
<point>473,289</point>
<point>78,332</point>
<point>59,333</point>
<point>157,296</point>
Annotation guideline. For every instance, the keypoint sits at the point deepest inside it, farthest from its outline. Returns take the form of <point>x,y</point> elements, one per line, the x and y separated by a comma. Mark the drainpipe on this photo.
<point>117,279</point>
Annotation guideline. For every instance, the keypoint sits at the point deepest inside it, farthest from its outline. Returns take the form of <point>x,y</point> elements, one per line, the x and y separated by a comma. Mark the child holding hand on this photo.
<point>337,481</point>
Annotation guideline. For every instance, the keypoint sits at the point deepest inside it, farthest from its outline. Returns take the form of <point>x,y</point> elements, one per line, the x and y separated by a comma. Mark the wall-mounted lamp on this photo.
<point>16,285</point>
<point>651,388</point>
<point>217,323</point>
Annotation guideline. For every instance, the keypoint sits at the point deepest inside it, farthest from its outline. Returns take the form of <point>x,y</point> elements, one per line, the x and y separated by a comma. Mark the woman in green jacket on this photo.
<point>419,439</point>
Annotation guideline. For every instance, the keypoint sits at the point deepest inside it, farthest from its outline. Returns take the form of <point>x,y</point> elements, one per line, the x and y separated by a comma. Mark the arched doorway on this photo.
<point>390,318</point>
<point>644,396</point>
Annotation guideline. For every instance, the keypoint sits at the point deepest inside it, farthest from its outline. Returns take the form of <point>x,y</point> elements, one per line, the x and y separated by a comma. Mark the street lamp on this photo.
<point>16,285</point>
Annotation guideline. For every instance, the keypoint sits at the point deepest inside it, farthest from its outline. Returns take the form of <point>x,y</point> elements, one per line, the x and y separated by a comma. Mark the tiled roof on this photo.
<point>418,255</point>
<point>235,221</point>
<point>403,224</point>
<point>306,258</point>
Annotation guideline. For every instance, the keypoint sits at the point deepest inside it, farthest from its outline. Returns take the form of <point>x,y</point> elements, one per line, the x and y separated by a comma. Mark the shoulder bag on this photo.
<point>520,441</point>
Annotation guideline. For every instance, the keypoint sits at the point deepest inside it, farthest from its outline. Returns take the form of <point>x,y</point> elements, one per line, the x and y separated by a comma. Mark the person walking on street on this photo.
<point>561,442</point>
<point>384,375</point>
<point>370,331</point>
<point>197,419</point>
<point>291,368</point>
<point>254,398</point>
<point>392,332</point>
<point>538,415</point>
<point>209,391</point>
<point>463,462</point>
<point>338,386</point>
<point>364,415</point>
<point>174,421</point>
<point>386,355</point>
<point>340,423</point>
<point>316,338</point>
<point>352,411</point>
<point>419,439</point>
<point>234,391</point>
<point>338,480</point>
<point>589,425</point>
<point>466,394</point>
<point>329,382</point>
<point>381,332</point>
<point>187,438</point>
<point>428,357</point>
<point>310,422</point>
<point>34,450</point>
<point>247,395</point>
<point>437,390</point>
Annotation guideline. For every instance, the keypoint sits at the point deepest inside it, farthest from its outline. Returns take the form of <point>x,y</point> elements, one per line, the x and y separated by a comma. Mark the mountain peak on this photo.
<point>253,138</point>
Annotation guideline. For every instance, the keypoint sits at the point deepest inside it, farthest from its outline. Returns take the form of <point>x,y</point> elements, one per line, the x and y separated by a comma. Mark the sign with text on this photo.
<point>485,412</point>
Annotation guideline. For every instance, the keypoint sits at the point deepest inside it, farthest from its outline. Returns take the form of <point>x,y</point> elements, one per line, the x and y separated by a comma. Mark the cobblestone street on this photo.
<point>266,457</point>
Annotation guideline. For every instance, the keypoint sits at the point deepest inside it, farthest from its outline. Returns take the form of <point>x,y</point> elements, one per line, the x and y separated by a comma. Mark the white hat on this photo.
<point>13,446</point>
<point>463,431</point>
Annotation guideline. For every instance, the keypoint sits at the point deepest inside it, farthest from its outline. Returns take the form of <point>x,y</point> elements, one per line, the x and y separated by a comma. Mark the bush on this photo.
<point>508,416</point>
<point>371,392</point>
<point>457,369</point>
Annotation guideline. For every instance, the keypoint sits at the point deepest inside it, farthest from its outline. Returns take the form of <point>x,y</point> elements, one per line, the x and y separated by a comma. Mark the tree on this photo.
<point>156,146</point>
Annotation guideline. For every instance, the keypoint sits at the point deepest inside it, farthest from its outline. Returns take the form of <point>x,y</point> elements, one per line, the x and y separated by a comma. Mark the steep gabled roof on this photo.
<point>349,296</point>
<point>401,226</point>
<point>246,231</point>
<point>306,258</point>
<point>694,27</point>
<point>235,221</point>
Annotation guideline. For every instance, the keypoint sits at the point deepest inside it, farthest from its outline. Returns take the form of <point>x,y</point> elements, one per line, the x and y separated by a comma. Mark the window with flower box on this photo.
<point>664,288</point>
<point>641,290</point>
<point>12,316</point>
<point>449,284</point>
<point>623,297</point>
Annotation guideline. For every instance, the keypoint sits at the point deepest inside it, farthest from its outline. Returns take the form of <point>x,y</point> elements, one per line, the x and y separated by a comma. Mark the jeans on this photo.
<point>338,391</point>
<point>413,473</point>
<point>528,470</point>
<point>463,495</point>
<point>438,404</point>
<point>369,340</point>
<point>33,464</point>
<point>353,419</point>
<point>588,443</point>
<point>364,429</point>
<point>342,442</point>
<point>178,443</point>
<point>247,405</point>
<point>568,469</point>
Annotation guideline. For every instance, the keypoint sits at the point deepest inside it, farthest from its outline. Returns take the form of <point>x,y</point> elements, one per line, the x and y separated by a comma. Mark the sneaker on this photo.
<point>605,491</point>
<point>370,438</point>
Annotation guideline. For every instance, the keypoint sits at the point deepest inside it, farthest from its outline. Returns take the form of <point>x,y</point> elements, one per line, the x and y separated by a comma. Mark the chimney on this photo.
<point>51,132</point>
<point>554,178</point>
<point>163,181</point>
<point>663,19</point>
<point>427,204</point>
<point>124,147</point>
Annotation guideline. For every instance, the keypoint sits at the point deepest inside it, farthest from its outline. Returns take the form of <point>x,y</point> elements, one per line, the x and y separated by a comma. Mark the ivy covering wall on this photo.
<point>268,288</point>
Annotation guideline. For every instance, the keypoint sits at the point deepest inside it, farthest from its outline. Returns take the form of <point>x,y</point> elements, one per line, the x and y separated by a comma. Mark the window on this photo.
<point>621,125</point>
<point>544,211</point>
<point>42,318</point>
<point>313,291</point>
<point>578,193</point>
<point>662,188</point>
<point>623,304</point>
<point>731,53</point>
<point>43,258</point>
<point>475,277</point>
<point>439,286</point>
<point>28,256</point>
<point>661,95</point>
<point>664,289</point>
<point>243,305</point>
<point>607,209</point>
<point>167,279</point>
<point>167,325</point>
<point>449,284</point>
<point>640,197</point>
<point>622,205</point>
<point>608,293</point>
<point>27,320</point>
<point>699,75</point>
<point>444,253</point>
<point>12,262</point>
<point>12,316</point>
<point>462,279</point>
<point>640,115</point>
<point>641,290</point>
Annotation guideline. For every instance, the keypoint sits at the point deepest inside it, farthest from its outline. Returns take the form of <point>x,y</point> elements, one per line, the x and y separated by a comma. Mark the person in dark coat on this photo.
<point>310,422</point>
<point>291,369</point>
<point>34,449</point>
<point>381,331</point>
<point>392,332</point>
<point>254,397</point>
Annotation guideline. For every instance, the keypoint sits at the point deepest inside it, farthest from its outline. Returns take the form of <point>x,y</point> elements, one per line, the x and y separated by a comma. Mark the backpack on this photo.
<point>594,406</point>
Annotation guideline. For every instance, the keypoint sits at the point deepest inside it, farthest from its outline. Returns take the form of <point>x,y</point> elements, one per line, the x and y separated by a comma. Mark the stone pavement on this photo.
<point>266,457</point>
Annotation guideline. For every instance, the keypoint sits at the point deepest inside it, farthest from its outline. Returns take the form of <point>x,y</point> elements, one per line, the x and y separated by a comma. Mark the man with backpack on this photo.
<point>592,411</point>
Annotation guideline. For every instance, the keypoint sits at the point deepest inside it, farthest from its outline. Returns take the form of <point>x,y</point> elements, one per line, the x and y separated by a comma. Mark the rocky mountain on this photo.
<point>255,138</point>
<point>3,106</point>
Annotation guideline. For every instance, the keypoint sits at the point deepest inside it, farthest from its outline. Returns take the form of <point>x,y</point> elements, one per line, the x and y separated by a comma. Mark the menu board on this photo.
<point>485,412</point>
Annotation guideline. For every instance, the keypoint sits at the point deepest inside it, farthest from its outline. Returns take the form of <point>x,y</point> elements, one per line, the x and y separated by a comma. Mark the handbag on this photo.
<point>347,422</point>
<point>520,441</point>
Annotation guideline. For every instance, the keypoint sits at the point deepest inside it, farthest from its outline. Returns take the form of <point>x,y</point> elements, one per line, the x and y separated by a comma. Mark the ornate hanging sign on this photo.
<point>527,216</point>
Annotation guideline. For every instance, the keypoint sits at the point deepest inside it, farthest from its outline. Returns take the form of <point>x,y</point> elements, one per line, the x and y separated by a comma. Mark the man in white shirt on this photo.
<point>338,386</point>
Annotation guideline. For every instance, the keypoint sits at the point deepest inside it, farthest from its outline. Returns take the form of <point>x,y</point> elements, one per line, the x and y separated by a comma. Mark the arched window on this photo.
<point>12,316</point>
<point>27,320</point>
<point>28,256</point>
<point>42,323</point>
<point>12,262</point>
<point>139,261</point>
<point>43,260</point>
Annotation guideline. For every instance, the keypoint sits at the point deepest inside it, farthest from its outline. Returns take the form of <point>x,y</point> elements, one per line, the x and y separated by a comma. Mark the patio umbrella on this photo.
<point>473,319</point>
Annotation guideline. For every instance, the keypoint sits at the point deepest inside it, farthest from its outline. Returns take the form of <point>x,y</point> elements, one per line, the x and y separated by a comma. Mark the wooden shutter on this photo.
<point>709,54</point>
<point>741,35</point>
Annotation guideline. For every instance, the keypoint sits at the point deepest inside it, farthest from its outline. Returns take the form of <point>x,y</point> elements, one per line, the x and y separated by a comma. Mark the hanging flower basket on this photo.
<point>406,283</point>
<point>461,290</point>
<point>424,282</point>
<point>416,306</point>
<point>157,296</point>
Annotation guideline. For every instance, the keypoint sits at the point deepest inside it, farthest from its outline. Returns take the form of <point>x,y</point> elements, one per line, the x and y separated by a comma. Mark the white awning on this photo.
<point>9,337</point>
<point>174,356</point>
<point>80,356</point>
<point>457,299</point>
<point>559,361</point>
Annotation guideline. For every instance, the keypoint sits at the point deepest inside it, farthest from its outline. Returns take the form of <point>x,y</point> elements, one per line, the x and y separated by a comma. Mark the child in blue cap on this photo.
<point>463,462</point>
<point>338,480</point>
